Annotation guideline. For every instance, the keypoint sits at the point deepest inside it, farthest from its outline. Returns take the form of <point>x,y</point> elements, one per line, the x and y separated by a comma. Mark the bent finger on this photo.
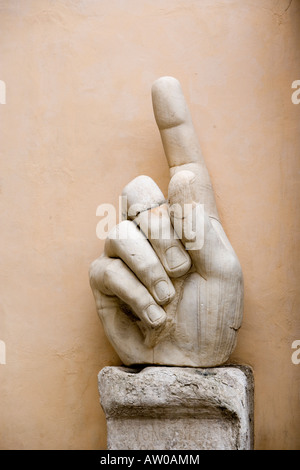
<point>147,208</point>
<point>128,243</point>
<point>113,277</point>
<point>156,224</point>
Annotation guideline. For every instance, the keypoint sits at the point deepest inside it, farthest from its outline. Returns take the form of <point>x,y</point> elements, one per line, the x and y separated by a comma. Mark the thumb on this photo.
<point>191,221</point>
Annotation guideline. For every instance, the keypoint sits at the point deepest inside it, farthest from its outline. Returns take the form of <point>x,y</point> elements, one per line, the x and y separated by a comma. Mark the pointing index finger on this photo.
<point>179,138</point>
<point>174,122</point>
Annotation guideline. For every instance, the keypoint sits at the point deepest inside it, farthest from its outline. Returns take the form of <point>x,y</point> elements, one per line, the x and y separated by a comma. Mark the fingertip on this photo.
<point>165,82</point>
<point>163,291</point>
<point>178,261</point>
<point>154,316</point>
<point>169,104</point>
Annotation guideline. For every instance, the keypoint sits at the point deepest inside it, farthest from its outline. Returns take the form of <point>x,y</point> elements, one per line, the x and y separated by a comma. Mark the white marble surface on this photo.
<point>160,408</point>
<point>169,286</point>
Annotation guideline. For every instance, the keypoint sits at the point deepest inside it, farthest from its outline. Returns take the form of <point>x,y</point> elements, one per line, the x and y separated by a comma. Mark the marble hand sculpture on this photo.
<point>169,286</point>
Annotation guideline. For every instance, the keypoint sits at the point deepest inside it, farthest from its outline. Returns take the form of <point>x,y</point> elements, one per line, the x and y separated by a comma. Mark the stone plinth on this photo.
<point>160,408</point>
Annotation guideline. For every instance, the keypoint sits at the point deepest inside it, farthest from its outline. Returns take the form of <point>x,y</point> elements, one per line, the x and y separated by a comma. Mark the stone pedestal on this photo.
<point>160,408</point>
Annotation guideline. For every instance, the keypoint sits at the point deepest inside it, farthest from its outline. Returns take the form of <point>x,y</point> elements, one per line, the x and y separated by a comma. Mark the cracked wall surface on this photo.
<point>168,408</point>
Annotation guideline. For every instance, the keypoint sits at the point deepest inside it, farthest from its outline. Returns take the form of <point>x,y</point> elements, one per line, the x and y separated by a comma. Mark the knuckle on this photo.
<point>114,267</point>
<point>119,230</point>
<point>125,230</point>
<point>111,274</point>
<point>97,272</point>
<point>94,270</point>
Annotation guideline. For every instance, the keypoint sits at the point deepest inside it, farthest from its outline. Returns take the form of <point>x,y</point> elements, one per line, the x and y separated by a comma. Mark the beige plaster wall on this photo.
<point>77,126</point>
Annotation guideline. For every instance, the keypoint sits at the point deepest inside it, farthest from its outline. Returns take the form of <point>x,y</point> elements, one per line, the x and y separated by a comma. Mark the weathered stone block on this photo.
<point>160,408</point>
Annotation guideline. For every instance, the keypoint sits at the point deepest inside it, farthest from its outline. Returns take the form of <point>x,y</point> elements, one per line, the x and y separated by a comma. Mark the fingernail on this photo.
<point>162,291</point>
<point>175,257</point>
<point>155,314</point>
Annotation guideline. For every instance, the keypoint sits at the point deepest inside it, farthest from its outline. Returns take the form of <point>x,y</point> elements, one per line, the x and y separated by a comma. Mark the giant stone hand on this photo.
<point>169,287</point>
